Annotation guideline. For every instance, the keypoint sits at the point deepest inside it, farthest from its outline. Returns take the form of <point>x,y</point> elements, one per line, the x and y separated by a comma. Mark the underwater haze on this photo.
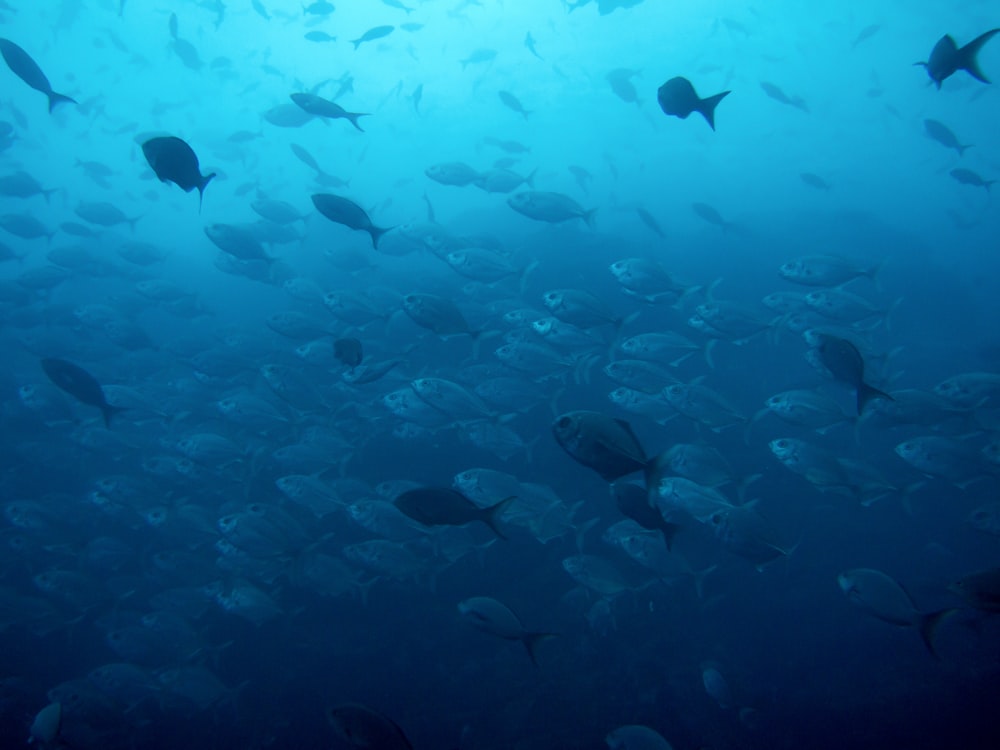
<point>499,374</point>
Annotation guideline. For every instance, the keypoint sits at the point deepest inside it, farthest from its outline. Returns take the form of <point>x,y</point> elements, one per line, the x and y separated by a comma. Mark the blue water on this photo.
<point>128,523</point>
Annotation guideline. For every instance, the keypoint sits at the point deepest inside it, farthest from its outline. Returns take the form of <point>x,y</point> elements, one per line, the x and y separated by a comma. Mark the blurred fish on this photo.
<point>453,173</point>
<point>549,207</point>
<point>529,43</point>
<point>980,590</point>
<point>677,98</point>
<point>24,67</point>
<point>479,56</point>
<point>602,443</point>
<point>866,33</point>
<point>361,727</point>
<point>378,32</point>
<point>620,80</point>
<point>845,363</point>
<point>80,384</point>
<point>348,351</point>
<point>814,180</point>
<point>948,58</point>
<point>495,618</point>
<point>825,270</point>
<point>437,314</point>
<point>712,216</point>
<point>443,506</point>
<point>512,102</point>
<point>880,596</point>
<point>968,177</point>
<point>941,133</point>
<point>780,96</point>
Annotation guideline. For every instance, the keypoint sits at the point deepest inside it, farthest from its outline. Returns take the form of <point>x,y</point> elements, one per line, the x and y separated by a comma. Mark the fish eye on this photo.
<point>564,422</point>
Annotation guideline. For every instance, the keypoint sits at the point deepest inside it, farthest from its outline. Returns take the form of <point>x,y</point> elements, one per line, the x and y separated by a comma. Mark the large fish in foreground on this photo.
<point>948,58</point>
<point>80,384</point>
<point>678,98</point>
<point>27,70</point>
<point>173,160</point>
<point>602,443</point>
<point>343,211</point>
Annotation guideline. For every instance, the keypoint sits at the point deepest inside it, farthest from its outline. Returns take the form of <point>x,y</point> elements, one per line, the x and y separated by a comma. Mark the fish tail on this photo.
<point>588,216</point>
<point>201,188</point>
<point>707,107</point>
<point>928,625</point>
<point>376,234</point>
<point>353,117</point>
<point>961,148</point>
<point>492,513</point>
<point>967,55</point>
<point>55,99</point>
<point>868,392</point>
<point>531,641</point>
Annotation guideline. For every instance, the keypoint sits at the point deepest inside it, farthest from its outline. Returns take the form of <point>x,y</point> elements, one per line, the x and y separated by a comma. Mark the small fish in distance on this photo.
<point>948,58</point>
<point>173,160</point>
<point>677,98</point>
<point>343,211</point>
<point>25,68</point>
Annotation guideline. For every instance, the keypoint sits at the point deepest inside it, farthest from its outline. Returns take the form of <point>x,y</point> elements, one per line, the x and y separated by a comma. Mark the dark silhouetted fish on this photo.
<point>948,58</point>
<point>348,351</point>
<point>677,98</point>
<point>444,506</point>
<point>780,96</point>
<point>602,443</point>
<point>173,160</point>
<point>360,727</point>
<point>372,34</point>
<point>941,133</point>
<point>845,363</point>
<point>512,102</point>
<point>320,107</point>
<point>80,384</point>
<point>633,502</point>
<point>27,70</point>
<point>347,212</point>
<point>968,177</point>
<point>709,214</point>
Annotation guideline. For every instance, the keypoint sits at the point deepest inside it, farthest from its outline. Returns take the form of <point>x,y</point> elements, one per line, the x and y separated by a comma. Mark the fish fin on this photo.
<point>967,55</point>
<point>866,393</point>
<point>376,234</point>
<point>707,107</point>
<point>928,625</point>
<point>201,188</point>
<point>56,99</point>
<point>531,641</point>
<point>353,117</point>
<point>492,513</point>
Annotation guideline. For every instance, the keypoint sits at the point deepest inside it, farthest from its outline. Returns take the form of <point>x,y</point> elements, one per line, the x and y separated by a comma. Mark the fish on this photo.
<point>866,33</point>
<point>493,617</point>
<point>478,56</point>
<point>348,351</point>
<point>444,506</point>
<point>780,96</point>
<point>319,36</point>
<point>361,727</point>
<point>620,80</point>
<point>712,216</point>
<point>237,241</point>
<point>378,32</point>
<point>344,211</point>
<point>529,43</point>
<point>79,384</point>
<point>24,67</point>
<point>880,596</point>
<point>677,98</point>
<point>636,737</point>
<point>602,443</point>
<point>826,270</point>
<point>173,160</point>
<point>454,173</point>
<point>320,107</point>
<point>968,177</point>
<point>437,314</point>
<point>980,590</point>
<point>511,102</point>
<point>549,207</point>
<point>46,725</point>
<point>941,133</point>
<point>845,363</point>
<point>814,180</point>
<point>947,58</point>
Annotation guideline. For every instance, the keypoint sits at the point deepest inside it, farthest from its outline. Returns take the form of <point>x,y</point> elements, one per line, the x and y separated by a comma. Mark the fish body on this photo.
<point>80,384</point>
<point>494,617</point>
<point>443,506</point>
<point>513,103</point>
<point>549,207</point>
<point>602,443</point>
<point>678,98</point>
<point>320,107</point>
<point>941,133</point>
<point>378,32</point>
<point>968,177</point>
<point>344,211</point>
<point>437,314</point>
<point>845,363</point>
<point>24,67</point>
<point>173,160</point>
<point>980,590</point>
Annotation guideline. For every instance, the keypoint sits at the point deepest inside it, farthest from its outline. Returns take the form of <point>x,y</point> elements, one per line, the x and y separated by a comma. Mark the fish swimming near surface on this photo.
<point>79,384</point>
<point>320,107</point>
<point>948,58</point>
<point>173,160</point>
<point>344,211</point>
<point>25,68</point>
<point>677,98</point>
<point>444,506</point>
<point>845,363</point>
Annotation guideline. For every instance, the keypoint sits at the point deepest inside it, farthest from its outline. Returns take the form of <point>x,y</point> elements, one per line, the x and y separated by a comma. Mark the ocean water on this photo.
<point>204,570</point>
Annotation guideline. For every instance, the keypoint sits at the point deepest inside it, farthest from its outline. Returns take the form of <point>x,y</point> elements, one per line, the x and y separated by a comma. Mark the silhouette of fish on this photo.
<point>173,160</point>
<point>948,58</point>
<point>27,70</point>
<point>79,384</point>
<point>677,98</point>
